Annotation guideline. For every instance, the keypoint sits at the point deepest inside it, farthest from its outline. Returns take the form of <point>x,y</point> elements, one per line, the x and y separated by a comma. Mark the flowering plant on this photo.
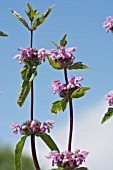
<point>60,59</point>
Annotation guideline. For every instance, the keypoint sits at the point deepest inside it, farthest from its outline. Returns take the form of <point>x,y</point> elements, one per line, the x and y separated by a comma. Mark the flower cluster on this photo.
<point>109,97</point>
<point>32,127</point>
<point>31,54</point>
<point>64,57</point>
<point>108,24</point>
<point>66,89</point>
<point>68,160</point>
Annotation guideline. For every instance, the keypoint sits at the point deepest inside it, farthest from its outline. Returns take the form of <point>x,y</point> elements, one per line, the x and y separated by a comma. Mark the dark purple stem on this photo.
<point>71,114</point>
<point>33,148</point>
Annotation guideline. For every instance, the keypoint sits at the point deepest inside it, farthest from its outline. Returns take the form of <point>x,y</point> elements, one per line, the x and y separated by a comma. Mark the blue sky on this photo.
<point>83,22</point>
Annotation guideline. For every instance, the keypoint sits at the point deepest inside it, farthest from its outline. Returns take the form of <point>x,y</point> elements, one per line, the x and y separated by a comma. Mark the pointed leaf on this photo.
<point>31,13</point>
<point>79,65</point>
<point>80,92</point>
<point>3,34</point>
<point>18,152</point>
<point>41,19</point>
<point>81,168</point>
<point>54,64</point>
<point>55,44</point>
<point>107,115</point>
<point>20,18</point>
<point>63,41</point>
<point>24,91</point>
<point>59,105</point>
<point>49,141</point>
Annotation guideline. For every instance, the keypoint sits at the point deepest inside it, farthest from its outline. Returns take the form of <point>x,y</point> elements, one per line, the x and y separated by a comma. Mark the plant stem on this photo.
<point>33,148</point>
<point>71,114</point>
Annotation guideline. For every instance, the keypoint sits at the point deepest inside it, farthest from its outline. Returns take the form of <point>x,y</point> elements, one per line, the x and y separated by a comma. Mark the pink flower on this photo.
<point>15,126</point>
<point>108,24</point>
<point>57,86</point>
<point>74,82</point>
<point>33,125</point>
<point>46,126</point>
<point>42,53</point>
<point>109,97</point>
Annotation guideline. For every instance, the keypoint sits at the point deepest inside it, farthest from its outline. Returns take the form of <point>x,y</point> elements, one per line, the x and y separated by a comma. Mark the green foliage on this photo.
<point>63,41</point>
<point>18,152</point>
<point>7,160</point>
<point>28,74</point>
<point>107,115</point>
<point>41,19</point>
<point>3,34</point>
<point>49,141</point>
<point>80,92</point>
<point>59,105</point>
<point>32,14</point>
<point>78,65</point>
<point>20,18</point>
<point>54,64</point>
<point>81,168</point>
<point>59,168</point>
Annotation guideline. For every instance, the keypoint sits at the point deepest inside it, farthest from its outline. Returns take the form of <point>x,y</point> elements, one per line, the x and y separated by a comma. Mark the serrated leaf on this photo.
<point>107,115</point>
<point>3,34</point>
<point>80,92</point>
<point>20,18</point>
<point>81,168</point>
<point>63,41</point>
<point>31,13</point>
<point>54,64</point>
<point>41,19</point>
<point>49,141</point>
<point>18,152</point>
<point>78,65</point>
<point>24,91</point>
<point>59,105</point>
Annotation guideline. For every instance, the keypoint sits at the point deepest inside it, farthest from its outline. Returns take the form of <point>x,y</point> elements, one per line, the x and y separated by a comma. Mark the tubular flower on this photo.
<point>66,89</point>
<point>15,126</point>
<point>68,160</point>
<point>33,127</point>
<point>109,97</point>
<point>108,24</point>
<point>31,54</point>
<point>64,57</point>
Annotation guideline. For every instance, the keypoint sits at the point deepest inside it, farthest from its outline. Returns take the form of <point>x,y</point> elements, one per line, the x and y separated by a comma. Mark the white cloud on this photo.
<point>89,135</point>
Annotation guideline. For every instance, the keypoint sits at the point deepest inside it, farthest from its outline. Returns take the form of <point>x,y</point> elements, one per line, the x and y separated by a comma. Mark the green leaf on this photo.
<point>79,65</point>
<point>28,74</point>
<point>55,44</point>
<point>20,18</point>
<point>59,105</point>
<point>63,41</point>
<point>24,91</point>
<point>41,19</point>
<point>49,141</point>
<point>81,168</point>
<point>18,152</point>
<point>107,115</point>
<point>80,92</point>
<point>31,13</point>
<point>54,64</point>
<point>3,34</point>
<point>59,168</point>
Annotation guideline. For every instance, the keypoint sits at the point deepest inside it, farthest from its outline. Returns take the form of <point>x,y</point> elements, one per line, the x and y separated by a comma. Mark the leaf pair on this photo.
<point>32,14</point>
<point>60,105</point>
<point>28,74</point>
<point>19,148</point>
